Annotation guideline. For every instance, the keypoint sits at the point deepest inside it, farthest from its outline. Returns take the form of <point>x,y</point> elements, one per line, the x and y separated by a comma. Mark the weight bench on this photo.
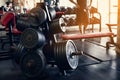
<point>110,25</point>
<point>91,35</point>
<point>8,22</point>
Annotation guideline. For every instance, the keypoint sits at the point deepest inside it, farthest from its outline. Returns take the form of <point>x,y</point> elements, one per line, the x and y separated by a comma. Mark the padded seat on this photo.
<point>88,35</point>
<point>15,30</point>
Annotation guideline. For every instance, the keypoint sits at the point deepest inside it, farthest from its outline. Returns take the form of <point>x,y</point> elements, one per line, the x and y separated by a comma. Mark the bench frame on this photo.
<point>91,35</point>
<point>109,34</point>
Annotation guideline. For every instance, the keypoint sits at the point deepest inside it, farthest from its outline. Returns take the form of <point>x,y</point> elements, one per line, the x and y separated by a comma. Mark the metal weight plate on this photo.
<point>57,26</point>
<point>33,64</point>
<point>47,50</point>
<point>31,38</point>
<point>62,55</point>
<point>22,24</point>
<point>39,13</point>
<point>52,12</point>
<point>19,52</point>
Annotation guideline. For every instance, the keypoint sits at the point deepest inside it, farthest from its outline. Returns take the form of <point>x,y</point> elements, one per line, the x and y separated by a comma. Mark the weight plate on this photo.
<point>62,55</point>
<point>19,52</point>
<point>39,14</point>
<point>33,64</point>
<point>52,12</point>
<point>31,38</point>
<point>57,26</point>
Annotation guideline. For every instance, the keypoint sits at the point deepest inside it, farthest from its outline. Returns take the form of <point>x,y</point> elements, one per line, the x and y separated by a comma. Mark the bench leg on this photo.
<point>110,42</point>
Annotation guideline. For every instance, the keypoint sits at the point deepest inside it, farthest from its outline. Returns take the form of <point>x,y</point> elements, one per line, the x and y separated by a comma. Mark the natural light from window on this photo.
<point>107,8</point>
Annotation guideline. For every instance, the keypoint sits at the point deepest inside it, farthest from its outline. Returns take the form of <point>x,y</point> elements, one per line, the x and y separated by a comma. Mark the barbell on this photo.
<point>66,55</point>
<point>33,62</point>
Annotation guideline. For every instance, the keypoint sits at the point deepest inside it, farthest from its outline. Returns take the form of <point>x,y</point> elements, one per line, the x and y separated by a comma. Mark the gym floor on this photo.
<point>96,63</point>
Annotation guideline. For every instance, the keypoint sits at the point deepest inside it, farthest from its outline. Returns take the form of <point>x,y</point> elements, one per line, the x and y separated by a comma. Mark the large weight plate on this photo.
<point>39,14</point>
<point>62,54</point>
<point>19,52</point>
<point>33,64</point>
<point>31,38</point>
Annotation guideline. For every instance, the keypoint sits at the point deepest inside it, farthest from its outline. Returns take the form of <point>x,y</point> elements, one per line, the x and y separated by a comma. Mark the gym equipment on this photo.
<point>57,26</point>
<point>36,17</point>
<point>33,63</point>
<point>71,22</point>
<point>20,50</point>
<point>52,12</point>
<point>70,10</point>
<point>32,38</point>
<point>12,34</point>
<point>91,35</point>
<point>38,48</point>
<point>63,53</point>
